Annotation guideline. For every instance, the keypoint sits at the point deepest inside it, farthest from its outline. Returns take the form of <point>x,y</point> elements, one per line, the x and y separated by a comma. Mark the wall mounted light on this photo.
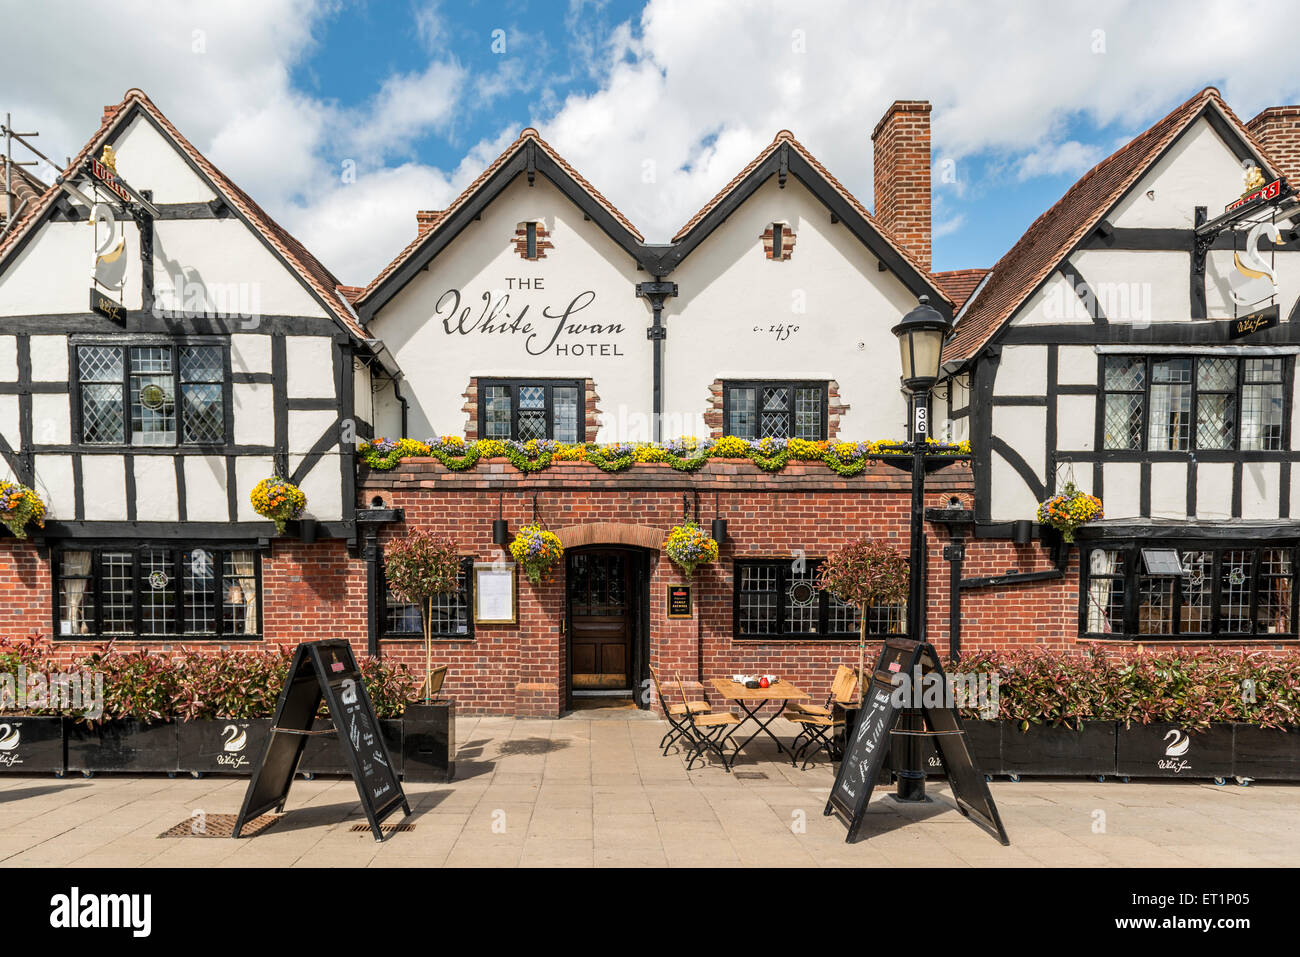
<point>500,527</point>
<point>719,523</point>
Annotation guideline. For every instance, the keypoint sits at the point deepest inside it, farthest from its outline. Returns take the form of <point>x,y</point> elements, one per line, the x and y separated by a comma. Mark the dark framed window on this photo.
<point>1220,591</point>
<point>778,237</point>
<point>152,395</point>
<point>157,591</point>
<point>778,410</point>
<point>530,232</point>
<point>525,409</point>
<point>452,615</point>
<point>1164,403</point>
<point>780,599</point>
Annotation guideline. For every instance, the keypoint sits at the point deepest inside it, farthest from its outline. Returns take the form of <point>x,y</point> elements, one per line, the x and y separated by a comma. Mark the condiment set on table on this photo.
<point>755,681</point>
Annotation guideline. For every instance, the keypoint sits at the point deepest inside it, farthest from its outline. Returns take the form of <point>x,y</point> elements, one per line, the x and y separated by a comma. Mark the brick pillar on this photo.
<point>902,175</point>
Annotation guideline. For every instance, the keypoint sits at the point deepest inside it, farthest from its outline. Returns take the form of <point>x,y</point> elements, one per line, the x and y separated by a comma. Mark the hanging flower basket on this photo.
<point>20,505</point>
<point>279,500</point>
<point>688,546</point>
<point>1069,510</point>
<point>536,550</point>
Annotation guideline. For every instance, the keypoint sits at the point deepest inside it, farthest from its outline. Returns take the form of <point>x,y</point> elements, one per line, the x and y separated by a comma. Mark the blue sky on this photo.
<point>417,96</point>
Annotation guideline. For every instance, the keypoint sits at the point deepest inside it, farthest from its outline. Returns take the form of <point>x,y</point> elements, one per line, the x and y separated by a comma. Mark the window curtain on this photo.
<point>1103,562</point>
<point>74,589</point>
<point>243,565</point>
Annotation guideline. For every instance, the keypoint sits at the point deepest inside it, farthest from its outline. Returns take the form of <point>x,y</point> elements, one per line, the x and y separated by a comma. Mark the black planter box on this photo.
<point>1167,751</point>
<point>1058,750</point>
<point>429,741</point>
<point>1266,754</point>
<point>984,738</point>
<point>324,756</point>
<point>123,745</point>
<point>222,745</point>
<point>31,744</point>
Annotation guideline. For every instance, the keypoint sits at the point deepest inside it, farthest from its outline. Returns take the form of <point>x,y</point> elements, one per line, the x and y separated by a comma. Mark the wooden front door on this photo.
<point>600,646</point>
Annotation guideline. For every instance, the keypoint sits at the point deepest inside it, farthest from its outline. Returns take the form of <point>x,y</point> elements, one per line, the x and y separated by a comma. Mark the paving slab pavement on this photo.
<point>592,789</point>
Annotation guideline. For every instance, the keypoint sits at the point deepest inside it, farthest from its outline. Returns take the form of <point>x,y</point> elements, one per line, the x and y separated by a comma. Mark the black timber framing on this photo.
<point>1070,273</point>
<point>119,123</point>
<point>1086,333</point>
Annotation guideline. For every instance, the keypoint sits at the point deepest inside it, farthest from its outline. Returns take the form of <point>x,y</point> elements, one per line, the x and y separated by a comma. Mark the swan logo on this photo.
<point>1255,279</point>
<point>236,740</point>
<point>1179,742</point>
<point>9,738</point>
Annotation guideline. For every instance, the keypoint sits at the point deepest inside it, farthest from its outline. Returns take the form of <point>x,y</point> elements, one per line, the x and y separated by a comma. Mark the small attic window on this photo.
<point>531,240</point>
<point>778,241</point>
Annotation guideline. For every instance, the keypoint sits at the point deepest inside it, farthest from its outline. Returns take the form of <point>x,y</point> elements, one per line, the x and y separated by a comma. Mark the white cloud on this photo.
<point>694,90</point>
<point>1056,159</point>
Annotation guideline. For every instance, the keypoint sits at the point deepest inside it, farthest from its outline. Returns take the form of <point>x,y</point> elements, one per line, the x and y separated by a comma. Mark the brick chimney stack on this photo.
<point>1278,129</point>
<point>902,173</point>
<point>425,219</point>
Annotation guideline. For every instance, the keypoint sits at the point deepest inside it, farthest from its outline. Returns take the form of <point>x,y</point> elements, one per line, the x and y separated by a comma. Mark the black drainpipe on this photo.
<point>369,522</point>
<point>657,292</point>
<point>958,519</point>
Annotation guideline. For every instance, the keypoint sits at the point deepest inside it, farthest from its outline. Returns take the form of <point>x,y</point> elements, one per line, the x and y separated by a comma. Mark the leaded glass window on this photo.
<point>778,410</point>
<point>157,591</point>
<point>152,395</point>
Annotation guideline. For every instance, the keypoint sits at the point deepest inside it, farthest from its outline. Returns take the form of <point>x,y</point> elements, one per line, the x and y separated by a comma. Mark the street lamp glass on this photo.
<point>920,342</point>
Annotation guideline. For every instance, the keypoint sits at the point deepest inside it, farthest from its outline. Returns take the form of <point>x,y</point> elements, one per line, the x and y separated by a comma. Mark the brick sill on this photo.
<point>796,641</point>
<point>437,639</point>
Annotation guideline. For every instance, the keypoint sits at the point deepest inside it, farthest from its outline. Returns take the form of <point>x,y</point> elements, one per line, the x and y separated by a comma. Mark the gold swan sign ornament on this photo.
<point>1252,265</point>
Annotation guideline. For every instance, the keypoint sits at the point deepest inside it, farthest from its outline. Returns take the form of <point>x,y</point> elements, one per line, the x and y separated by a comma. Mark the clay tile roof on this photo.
<point>23,185</point>
<point>1051,237</point>
<point>959,283</point>
<point>785,136</point>
<point>443,216</point>
<point>308,268</point>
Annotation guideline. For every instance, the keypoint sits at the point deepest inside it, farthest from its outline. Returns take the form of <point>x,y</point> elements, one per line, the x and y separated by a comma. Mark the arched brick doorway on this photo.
<point>607,611</point>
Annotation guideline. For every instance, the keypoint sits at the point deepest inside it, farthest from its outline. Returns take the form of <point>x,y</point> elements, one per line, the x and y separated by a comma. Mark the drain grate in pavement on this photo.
<point>751,775</point>
<point>386,828</point>
<point>219,825</point>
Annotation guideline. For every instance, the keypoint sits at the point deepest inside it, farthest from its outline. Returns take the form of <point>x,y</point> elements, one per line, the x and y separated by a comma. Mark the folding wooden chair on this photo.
<point>436,677</point>
<point>709,732</point>
<point>676,714</point>
<point>818,723</point>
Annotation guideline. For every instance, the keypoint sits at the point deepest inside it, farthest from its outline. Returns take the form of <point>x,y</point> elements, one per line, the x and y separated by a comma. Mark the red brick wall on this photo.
<point>902,175</point>
<point>1278,129</point>
<point>308,592</point>
<point>520,668</point>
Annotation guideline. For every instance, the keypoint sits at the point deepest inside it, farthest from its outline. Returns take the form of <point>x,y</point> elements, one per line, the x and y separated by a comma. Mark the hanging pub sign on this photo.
<point>1271,191</point>
<point>107,307</point>
<point>905,661</point>
<point>679,601</point>
<point>1254,322</point>
<point>325,671</point>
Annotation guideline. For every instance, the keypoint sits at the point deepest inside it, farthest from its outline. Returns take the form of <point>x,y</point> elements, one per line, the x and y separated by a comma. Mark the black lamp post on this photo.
<point>920,340</point>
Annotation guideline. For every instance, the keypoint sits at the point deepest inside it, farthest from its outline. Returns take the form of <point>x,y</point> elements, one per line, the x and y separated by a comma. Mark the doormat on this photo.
<point>386,828</point>
<point>219,825</point>
<point>751,775</point>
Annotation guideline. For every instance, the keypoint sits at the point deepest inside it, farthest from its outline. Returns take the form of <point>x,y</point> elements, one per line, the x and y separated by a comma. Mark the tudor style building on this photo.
<point>1107,347</point>
<point>158,362</point>
<point>209,351</point>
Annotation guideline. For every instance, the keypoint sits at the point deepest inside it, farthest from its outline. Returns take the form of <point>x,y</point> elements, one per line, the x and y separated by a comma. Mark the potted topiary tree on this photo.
<point>865,573</point>
<point>418,568</point>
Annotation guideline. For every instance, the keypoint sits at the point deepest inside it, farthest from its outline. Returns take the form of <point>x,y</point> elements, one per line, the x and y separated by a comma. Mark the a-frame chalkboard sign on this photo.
<point>325,670</point>
<point>865,753</point>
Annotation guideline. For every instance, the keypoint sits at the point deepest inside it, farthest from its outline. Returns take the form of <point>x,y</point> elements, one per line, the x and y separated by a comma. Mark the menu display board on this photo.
<point>325,670</point>
<point>494,593</point>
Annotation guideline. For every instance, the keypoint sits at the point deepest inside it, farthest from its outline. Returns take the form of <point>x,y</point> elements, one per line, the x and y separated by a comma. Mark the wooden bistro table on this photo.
<point>751,701</point>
